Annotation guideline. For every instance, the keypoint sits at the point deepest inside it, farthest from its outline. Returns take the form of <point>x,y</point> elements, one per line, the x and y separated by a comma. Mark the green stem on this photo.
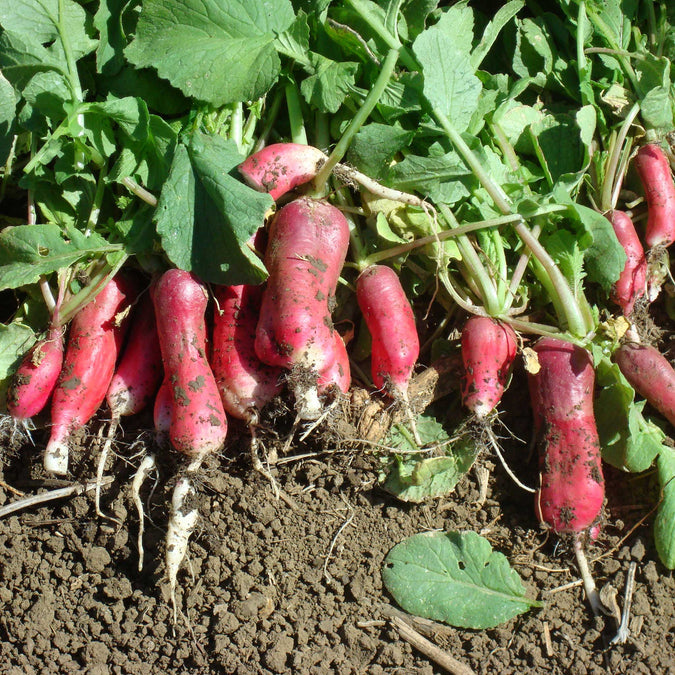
<point>95,211</point>
<point>321,131</point>
<point>269,120</point>
<point>583,71</point>
<point>73,76</point>
<point>295,118</point>
<point>237,124</point>
<point>61,130</point>
<point>357,121</point>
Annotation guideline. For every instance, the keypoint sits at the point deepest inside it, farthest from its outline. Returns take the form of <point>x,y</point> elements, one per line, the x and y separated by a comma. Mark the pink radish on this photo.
<point>489,348</point>
<point>198,425</point>
<point>307,247</point>
<point>33,382</point>
<point>631,284</point>
<point>280,167</point>
<point>572,490</point>
<point>246,384</point>
<point>337,376</point>
<point>657,181</point>
<point>139,372</point>
<point>162,412</point>
<point>94,340</point>
<point>391,322</point>
<point>650,374</point>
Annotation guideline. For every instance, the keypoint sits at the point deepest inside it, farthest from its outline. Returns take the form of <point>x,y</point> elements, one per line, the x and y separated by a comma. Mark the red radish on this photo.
<point>280,167</point>
<point>657,181</point>
<point>391,322</point>
<point>650,374</point>
<point>162,412</point>
<point>307,247</point>
<point>489,348</point>
<point>246,384</point>
<point>198,424</point>
<point>632,281</point>
<point>139,372</point>
<point>33,382</point>
<point>94,340</point>
<point>572,491</point>
<point>338,374</point>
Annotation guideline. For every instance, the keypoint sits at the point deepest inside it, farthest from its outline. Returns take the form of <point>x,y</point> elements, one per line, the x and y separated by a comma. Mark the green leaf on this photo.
<point>501,18</point>
<point>205,216</point>
<point>664,524</point>
<point>8,101</point>
<point>15,340</point>
<point>534,51</point>
<point>328,87</point>
<point>219,51</point>
<point>21,57</point>
<point>449,83</point>
<point>29,251</point>
<point>48,93</point>
<point>375,145</point>
<point>456,578</point>
<point>656,106</point>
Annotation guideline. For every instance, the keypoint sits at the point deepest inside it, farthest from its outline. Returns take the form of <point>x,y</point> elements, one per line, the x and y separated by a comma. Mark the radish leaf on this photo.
<point>456,578</point>
<point>664,524</point>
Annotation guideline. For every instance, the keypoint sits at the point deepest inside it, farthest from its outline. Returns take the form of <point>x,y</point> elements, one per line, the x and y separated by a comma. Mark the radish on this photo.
<point>307,246</point>
<point>391,322</point>
<point>657,181</point>
<point>246,384</point>
<point>162,412</point>
<point>278,168</point>
<point>650,374</point>
<point>198,425</point>
<point>489,347</point>
<point>632,281</point>
<point>34,381</point>
<point>337,376</point>
<point>96,334</point>
<point>571,492</point>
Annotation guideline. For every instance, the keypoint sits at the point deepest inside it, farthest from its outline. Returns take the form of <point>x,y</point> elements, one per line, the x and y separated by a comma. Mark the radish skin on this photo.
<point>653,168</point>
<point>34,381</point>
<point>650,374</point>
<point>162,412</point>
<point>246,384</point>
<point>281,167</point>
<point>307,247</point>
<point>632,282</point>
<point>391,322</point>
<point>489,348</point>
<point>338,375</point>
<point>96,334</point>
<point>571,491</point>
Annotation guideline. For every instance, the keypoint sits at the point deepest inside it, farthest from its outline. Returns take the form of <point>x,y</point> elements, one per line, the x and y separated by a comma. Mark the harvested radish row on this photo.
<point>572,491</point>
<point>35,379</point>
<point>650,374</point>
<point>489,348</point>
<point>139,372</point>
<point>95,337</point>
<point>246,384</point>
<point>631,284</point>
<point>657,181</point>
<point>307,247</point>
<point>280,167</point>
<point>391,322</point>
<point>197,419</point>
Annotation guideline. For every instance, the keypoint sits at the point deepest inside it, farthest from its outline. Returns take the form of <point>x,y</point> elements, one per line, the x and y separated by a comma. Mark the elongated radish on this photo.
<point>650,374</point>
<point>391,322</point>
<point>489,348</point>
<point>307,247</point>
<point>631,284</point>
<point>337,376</point>
<point>94,340</point>
<point>139,371</point>
<point>246,384</point>
<point>657,181</point>
<point>281,167</point>
<point>571,491</point>
<point>198,425</point>
<point>34,381</point>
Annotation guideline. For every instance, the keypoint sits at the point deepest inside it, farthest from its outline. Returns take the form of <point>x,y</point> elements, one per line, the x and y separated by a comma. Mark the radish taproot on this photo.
<point>632,282</point>
<point>281,167</point>
<point>307,246</point>
<point>391,323</point>
<point>653,168</point>
<point>489,348</point>
<point>337,376</point>
<point>33,382</point>
<point>650,374</point>
<point>198,425</point>
<point>571,491</point>
<point>94,341</point>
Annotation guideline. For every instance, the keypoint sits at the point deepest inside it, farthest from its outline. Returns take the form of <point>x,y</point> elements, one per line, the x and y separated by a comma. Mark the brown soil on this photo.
<point>272,589</point>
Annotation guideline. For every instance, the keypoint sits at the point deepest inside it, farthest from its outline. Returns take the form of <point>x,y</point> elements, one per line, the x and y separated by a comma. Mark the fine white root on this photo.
<point>144,468</point>
<point>493,442</point>
<point>587,578</point>
<point>112,430</point>
<point>624,631</point>
<point>182,522</point>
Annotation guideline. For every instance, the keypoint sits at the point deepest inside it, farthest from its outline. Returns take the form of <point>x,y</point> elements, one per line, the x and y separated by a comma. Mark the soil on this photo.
<point>274,589</point>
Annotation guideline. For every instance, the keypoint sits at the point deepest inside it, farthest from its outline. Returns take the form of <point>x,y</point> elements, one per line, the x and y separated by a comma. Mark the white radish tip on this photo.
<point>56,458</point>
<point>307,403</point>
<point>482,410</point>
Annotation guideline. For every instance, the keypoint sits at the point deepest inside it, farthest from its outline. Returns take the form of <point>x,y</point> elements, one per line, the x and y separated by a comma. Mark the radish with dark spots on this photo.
<point>572,488</point>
